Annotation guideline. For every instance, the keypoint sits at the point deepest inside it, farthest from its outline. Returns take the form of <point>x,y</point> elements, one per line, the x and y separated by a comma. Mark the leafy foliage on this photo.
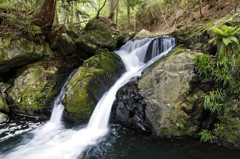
<point>205,136</point>
<point>203,63</point>
<point>224,69</point>
<point>225,37</point>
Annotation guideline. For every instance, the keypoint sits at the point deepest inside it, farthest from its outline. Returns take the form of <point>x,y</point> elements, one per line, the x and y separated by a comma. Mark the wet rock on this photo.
<point>89,82</point>
<point>129,109</point>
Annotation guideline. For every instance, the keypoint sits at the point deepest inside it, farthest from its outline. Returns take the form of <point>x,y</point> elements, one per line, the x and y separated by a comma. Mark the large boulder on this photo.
<point>143,34</point>
<point>20,51</point>
<point>165,90</point>
<point>62,39</point>
<point>99,33</point>
<point>34,88</point>
<point>63,44</point>
<point>89,82</point>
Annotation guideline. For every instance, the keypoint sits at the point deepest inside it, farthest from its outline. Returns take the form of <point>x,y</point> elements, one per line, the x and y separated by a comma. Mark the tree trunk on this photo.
<point>200,7</point>
<point>56,21</point>
<point>117,11</point>
<point>128,14</point>
<point>76,12</point>
<point>98,12</point>
<point>236,4</point>
<point>44,13</point>
<point>71,12</point>
<point>111,6</point>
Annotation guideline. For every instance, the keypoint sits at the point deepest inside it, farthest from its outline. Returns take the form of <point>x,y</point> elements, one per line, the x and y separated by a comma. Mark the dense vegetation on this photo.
<point>223,68</point>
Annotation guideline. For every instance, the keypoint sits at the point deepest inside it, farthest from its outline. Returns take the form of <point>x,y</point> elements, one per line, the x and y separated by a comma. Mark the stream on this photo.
<point>99,139</point>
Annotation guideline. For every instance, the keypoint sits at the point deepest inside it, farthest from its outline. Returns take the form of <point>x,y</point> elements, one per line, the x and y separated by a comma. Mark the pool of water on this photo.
<point>121,143</point>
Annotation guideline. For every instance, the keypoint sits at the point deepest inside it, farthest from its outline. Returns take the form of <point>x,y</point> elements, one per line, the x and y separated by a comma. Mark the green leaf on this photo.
<point>218,31</point>
<point>226,41</point>
<point>235,32</point>
<point>234,39</point>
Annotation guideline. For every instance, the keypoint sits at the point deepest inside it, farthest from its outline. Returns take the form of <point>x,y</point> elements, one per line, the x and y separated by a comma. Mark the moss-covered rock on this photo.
<point>18,51</point>
<point>99,33</point>
<point>89,82</point>
<point>165,90</point>
<point>34,88</point>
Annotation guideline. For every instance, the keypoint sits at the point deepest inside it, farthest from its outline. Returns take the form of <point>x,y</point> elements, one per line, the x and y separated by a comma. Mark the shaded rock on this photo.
<point>63,44</point>
<point>143,34</point>
<point>165,89</point>
<point>89,82</point>
<point>3,117</point>
<point>4,87</point>
<point>20,51</point>
<point>99,33</point>
<point>129,109</point>
<point>3,105</point>
<point>34,88</point>
<point>227,132</point>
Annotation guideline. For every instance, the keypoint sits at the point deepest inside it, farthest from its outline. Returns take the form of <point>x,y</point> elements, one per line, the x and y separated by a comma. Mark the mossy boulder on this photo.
<point>99,33</point>
<point>165,90</point>
<point>19,51</point>
<point>89,82</point>
<point>34,88</point>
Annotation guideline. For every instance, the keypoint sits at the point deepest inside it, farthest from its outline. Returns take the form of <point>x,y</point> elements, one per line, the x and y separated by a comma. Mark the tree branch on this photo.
<point>97,16</point>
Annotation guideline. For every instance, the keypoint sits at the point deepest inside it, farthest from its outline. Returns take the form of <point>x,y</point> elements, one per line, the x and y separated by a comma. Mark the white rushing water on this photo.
<point>53,141</point>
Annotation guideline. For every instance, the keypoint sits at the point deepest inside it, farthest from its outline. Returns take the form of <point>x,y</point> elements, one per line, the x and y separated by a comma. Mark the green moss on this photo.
<point>88,82</point>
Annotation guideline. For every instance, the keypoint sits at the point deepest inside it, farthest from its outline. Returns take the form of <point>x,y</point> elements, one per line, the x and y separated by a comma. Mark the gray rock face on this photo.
<point>129,109</point>
<point>18,52</point>
<point>164,89</point>
<point>143,34</point>
<point>3,105</point>
<point>3,117</point>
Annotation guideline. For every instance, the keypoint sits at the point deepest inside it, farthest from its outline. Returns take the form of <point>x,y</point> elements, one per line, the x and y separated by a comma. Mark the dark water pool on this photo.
<point>123,144</point>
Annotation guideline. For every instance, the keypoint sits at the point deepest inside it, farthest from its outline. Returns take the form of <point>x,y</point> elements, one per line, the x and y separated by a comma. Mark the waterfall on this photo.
<point>54,141</point>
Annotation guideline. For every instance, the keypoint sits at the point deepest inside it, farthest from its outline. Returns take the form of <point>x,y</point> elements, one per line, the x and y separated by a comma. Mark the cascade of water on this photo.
<point>57,142</point>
